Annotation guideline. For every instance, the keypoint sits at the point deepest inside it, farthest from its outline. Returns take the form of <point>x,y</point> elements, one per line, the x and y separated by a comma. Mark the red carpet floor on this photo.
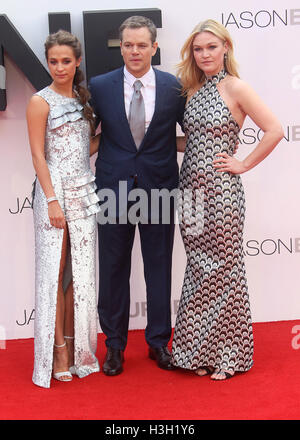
<point>269,391</point>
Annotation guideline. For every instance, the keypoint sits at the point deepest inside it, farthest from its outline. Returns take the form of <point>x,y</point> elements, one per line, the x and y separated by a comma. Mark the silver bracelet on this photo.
<point>51,199</point>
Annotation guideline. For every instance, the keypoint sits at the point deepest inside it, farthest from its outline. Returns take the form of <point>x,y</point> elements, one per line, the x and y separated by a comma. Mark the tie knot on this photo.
<point>137,85</point>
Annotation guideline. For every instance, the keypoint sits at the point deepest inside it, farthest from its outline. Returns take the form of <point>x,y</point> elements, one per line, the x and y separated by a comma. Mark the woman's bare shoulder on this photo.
<point>37,100</point>
<point>37,105</point>
<point>237,86</point>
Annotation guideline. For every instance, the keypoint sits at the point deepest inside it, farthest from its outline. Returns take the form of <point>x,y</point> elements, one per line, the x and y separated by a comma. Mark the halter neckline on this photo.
<point>217,77</point>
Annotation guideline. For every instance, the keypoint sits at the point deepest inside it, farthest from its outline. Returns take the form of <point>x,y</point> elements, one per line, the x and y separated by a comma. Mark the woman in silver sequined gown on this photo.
<point>213,331</point>
<point>65,229</point>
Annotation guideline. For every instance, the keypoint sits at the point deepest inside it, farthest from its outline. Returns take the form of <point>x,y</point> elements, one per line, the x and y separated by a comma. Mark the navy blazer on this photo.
<point>155,162</point>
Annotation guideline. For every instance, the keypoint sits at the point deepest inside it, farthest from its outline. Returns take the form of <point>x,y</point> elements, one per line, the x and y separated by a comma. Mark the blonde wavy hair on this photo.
<point>188,72</point>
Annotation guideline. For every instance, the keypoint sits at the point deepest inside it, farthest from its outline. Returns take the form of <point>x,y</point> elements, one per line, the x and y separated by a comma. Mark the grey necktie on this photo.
<point>137,114</point>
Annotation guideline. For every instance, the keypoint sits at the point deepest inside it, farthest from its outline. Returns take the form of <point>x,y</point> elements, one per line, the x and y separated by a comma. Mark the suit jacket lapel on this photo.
<point>160,91</point>
<point>119,104</point>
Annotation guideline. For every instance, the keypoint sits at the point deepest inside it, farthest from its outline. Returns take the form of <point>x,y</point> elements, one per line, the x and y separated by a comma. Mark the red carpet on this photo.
<point>269,391</point>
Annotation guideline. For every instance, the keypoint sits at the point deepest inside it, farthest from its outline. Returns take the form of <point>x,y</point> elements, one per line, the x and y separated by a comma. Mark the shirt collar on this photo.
<point>147,79</point>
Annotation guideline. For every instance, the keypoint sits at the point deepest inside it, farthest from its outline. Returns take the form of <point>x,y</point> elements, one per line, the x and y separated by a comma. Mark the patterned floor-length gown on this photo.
<point>67,156</point>
<point>213,324</point>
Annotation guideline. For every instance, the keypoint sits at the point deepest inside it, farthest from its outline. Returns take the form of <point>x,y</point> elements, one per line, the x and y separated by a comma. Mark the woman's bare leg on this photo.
<point>69,323</point>
<point>60,358</point>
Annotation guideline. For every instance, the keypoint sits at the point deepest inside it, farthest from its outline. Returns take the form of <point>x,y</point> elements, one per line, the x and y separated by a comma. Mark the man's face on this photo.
<point>137,50</point>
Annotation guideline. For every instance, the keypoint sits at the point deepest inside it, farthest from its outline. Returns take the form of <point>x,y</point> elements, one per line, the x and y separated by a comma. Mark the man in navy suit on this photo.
<point>148,164</point>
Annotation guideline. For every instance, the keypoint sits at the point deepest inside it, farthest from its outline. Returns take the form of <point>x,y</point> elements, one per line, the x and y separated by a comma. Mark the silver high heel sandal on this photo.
<point>72,368</point>
<point>62,376</point>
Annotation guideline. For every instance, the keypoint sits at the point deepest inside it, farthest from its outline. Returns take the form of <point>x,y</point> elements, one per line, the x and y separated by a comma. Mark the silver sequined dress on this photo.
<point>67,155</point>
<point>213,324</point>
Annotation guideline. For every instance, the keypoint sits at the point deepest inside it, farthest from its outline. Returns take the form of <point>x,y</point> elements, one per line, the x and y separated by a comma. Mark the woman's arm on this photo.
<point>181,143</point>
<point>37,113</point>
<point>94,144</point>
<point>253,106</point>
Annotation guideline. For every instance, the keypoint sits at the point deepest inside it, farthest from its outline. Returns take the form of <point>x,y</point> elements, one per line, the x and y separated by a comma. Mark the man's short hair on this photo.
<point>136,22</point>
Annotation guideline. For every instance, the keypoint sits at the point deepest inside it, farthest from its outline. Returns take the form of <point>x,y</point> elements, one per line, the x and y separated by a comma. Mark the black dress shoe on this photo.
<point>113,362</point>
<point>162,357</point>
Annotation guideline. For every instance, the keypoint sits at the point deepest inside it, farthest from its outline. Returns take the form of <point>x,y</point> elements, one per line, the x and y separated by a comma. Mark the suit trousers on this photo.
<point>115,249</point>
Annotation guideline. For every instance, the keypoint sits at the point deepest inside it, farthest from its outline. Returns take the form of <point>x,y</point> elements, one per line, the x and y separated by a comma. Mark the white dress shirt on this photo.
<point>148,93</point>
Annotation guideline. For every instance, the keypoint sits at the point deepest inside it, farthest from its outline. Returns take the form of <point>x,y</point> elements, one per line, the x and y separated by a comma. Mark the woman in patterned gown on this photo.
<point>213,331</point>
<point>65,204</point>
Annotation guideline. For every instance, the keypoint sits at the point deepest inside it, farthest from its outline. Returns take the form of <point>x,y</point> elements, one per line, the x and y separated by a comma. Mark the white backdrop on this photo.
<point>266,36</point>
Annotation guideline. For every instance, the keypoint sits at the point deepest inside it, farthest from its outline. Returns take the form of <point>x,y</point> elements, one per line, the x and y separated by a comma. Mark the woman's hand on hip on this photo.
<point>229,164</point>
